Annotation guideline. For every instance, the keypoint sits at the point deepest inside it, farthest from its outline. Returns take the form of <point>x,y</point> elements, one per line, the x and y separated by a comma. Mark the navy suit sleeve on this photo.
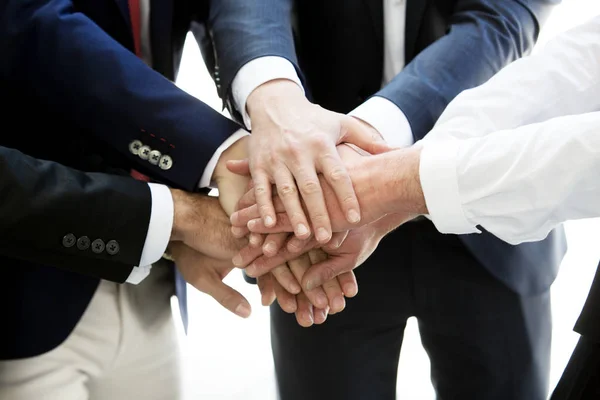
<point>483,37</point>
<point>245,30</point>
<point>43,202</point>
<point>63,57</point>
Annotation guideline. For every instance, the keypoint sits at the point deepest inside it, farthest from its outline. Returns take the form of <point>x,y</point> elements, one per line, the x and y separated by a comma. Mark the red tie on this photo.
<point>134,13</point>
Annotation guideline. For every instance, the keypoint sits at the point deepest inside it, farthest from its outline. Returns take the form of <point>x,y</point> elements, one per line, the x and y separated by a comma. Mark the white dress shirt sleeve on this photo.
<point>388,119</point>
<point>159,232</point>
<point>517,184</point>
<point>508,154</point>
<point>255,73</point>
<point>206,179</point>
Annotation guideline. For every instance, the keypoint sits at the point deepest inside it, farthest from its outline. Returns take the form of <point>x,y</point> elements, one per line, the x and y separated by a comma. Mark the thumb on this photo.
<point>228,297</point>
<point>323,272</point>
<point>240,167</point>
<point>364,136</point>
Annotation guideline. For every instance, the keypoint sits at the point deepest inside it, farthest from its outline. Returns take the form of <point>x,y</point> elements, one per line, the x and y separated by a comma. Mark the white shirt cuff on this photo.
<point>206,179</point>
<point>159,231</point>
<point>388,119</point>
<point>439,182</point>
<point>255,73</point>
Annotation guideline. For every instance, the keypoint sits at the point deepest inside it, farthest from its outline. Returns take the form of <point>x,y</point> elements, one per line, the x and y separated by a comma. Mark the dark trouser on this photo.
<point>581,378</point>
<point>484,341</point>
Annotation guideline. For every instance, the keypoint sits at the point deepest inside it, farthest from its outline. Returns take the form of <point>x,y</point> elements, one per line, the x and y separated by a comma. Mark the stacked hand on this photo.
<point>300,166</point>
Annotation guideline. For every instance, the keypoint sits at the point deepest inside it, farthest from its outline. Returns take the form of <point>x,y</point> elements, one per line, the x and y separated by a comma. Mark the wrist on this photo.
<point>401,189</point>
<point>271,92</point>
<point>179,211</point>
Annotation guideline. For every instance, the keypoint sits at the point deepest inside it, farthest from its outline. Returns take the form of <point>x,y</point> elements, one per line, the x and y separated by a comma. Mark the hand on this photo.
<point>206,274</point>
<point>361,169</point>
<point>200,223</point>
<point>302,305</point>
<point>358,246</point>
<point>293,140</point>
<point>231,186</point>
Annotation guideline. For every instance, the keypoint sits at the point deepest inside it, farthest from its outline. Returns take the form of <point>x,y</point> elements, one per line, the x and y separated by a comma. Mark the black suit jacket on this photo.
<point>76,93</point>
<point>41,200</point>
<point>588,323</point>
<point>450,46</point>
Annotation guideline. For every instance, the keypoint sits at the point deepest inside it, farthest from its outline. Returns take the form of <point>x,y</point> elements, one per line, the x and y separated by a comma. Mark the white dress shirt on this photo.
<point>521,153</point>
<point>379,112</point>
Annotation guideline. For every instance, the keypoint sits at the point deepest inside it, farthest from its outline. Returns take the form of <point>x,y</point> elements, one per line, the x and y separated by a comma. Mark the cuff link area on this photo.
<point>154,157</point>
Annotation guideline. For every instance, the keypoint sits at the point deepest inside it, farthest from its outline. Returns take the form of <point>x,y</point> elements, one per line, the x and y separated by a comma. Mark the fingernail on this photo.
<point>310,285</point>
<point>322,235</point>
<point>339,303</point>
<point>251,270</point>
<point>243,310</point>
<point>301,230</point>
<point>295,288</point>
<point>350,290</point>
<point>322,300</point>
<point>353,216</point>
<point>237,260</point>
<point>269,221</point>
<point>251,224</point>
<point>270,248</point>
<point>254,240</point>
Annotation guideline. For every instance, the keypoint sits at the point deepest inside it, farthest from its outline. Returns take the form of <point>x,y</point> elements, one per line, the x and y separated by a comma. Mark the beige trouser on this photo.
<point>123,348</point>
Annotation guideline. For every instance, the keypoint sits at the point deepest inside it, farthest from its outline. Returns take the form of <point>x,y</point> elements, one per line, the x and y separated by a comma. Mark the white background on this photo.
<point>226,357</point>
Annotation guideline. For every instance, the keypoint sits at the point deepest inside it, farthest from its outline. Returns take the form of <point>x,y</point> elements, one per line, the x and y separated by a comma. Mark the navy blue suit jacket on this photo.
<point>76,93</point>
<point>450,45</point>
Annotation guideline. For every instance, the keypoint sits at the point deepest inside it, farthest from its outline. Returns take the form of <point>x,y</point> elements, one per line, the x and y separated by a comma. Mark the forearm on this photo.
<point>483,37</point>
<point>517,184</point>
<point>107,90</point>
<point>560,79</point>
<point>69,217</point>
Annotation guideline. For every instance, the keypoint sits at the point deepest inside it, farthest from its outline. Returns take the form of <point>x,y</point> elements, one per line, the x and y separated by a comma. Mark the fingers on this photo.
<point>262,191</point>
<point>312,195</point>
<point>316,296</point>
<point>247,255</point>
<point>283,224</point>
<point>286,279</point>
<point>288,193</point>
<point>359,134</point>
<point>332,288</point>
<point>266,286</point>
<point>337,239</point>
<point>335,173</point>
<point>304,315</point>
<point>273,243</point>
<point>240,167</point>
<point>256,240</point>
<point>228,297</point>
<point>323,272</point>
<point>348,283</point>
<point>286,300</point>
<point>261,264</point>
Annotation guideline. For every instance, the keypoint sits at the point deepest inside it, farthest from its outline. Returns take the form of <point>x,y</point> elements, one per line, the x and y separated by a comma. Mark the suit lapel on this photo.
<point>161,30</point>
<point>375,8</point>
<point>414,17</point>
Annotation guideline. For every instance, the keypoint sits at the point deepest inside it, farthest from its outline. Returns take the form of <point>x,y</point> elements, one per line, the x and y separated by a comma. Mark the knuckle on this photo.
<point>337,174</point>
<point>287,190</point>
<point>260,190</point>
<point>310,187</point>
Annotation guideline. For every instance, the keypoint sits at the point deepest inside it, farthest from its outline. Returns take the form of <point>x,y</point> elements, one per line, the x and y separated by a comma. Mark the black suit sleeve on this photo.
<point>44,206</point>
